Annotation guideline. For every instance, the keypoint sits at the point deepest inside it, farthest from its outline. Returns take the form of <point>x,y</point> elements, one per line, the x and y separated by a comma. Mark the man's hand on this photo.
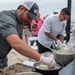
<point>48,61</point>
<point>59,42</point>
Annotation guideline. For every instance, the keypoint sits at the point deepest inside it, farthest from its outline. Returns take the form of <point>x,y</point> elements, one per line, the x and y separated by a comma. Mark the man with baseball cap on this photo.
<point>11,27</point>
<point>32,8</point>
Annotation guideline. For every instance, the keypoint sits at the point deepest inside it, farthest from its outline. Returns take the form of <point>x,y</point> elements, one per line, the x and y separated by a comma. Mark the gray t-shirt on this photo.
<point>8,25</point>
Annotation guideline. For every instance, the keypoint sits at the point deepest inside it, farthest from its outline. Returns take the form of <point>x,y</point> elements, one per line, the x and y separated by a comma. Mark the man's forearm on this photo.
<point>49,35</point>
<point>21,47</point>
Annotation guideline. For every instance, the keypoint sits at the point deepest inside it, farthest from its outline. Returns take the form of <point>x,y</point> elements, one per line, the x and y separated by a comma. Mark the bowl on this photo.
<point>64,56</point>
<point>43,69</point>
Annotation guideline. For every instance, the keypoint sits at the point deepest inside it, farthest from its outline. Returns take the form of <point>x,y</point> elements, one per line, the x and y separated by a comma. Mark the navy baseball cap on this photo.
<point>32,8</point>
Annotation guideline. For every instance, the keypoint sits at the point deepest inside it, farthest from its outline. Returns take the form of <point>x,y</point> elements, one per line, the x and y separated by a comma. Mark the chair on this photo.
<point>30,39</point>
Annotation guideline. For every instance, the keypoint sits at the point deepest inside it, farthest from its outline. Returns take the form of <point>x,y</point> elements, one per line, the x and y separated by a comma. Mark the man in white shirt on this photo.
<point>53,26</point>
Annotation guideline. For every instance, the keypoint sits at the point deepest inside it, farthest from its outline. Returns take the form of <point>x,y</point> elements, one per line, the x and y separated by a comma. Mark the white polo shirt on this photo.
<point>52,25</point>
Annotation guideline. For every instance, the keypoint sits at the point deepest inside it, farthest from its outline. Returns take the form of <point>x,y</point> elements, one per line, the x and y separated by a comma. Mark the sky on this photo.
<point>46,6</point>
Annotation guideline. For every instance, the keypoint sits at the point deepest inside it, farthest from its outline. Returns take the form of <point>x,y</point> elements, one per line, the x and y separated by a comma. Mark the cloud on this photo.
<point>10,1</point>
<point>46,6</point>
<point>10,4</point>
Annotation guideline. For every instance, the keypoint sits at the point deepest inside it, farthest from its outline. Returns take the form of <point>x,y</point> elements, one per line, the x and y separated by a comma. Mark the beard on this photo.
<point>22,19</point>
